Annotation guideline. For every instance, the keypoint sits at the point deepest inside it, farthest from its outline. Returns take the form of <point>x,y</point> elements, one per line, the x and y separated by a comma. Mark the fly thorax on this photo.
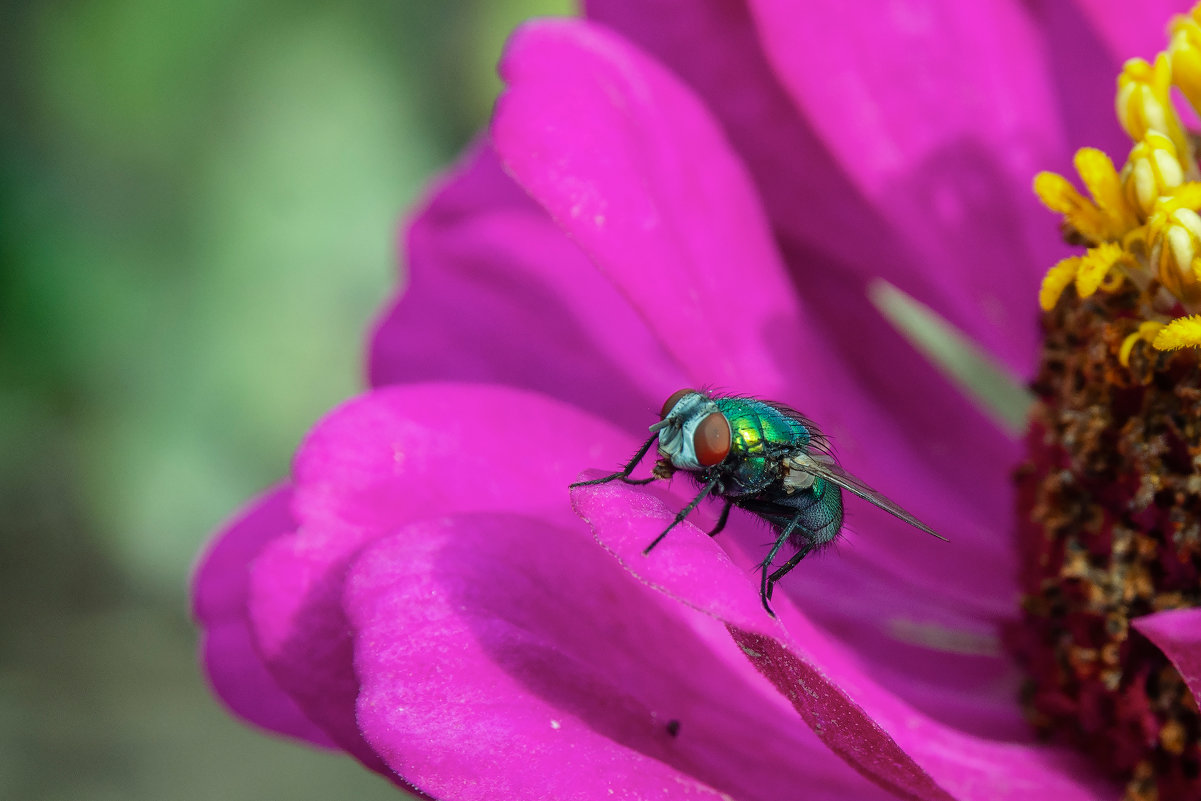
<point>677,430</point>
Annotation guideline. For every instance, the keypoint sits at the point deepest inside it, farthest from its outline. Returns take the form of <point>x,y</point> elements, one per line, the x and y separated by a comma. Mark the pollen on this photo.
<point>1140,223</point>
<point>1109,510</point>
<point>1109,496</point>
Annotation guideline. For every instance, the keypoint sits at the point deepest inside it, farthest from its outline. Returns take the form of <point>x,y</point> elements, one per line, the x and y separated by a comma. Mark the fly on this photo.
<point>760,456</point>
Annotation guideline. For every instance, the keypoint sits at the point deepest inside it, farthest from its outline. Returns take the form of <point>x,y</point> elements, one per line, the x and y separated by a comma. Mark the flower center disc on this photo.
<point>1110,527</point>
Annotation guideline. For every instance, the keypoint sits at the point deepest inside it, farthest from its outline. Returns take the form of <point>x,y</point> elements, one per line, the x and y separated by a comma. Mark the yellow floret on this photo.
<point>1152,171</point>
<point>1175,236</point>
<point>1099,176</point>
<point>1144,102</point>
<point>1083,215</point>
<point>1184,332</point>
<point>1056,280</point>
<point>1095,266</point>
<point>1184,53</point>
<point>1141,224</point>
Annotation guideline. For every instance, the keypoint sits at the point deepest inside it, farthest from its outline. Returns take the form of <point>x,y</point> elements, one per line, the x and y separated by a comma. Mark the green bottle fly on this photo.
<point>759,456</point>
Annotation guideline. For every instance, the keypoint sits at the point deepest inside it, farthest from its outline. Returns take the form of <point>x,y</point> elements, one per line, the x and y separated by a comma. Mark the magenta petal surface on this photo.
<point>496,293</point>
<point>1083,62</point>
<point>1131,30</point>
<point>824,219</point>
<point>859,718</point>
<point>219,591</point>
<point>941,112</point>
<point>388,458</point>
<point>631,165</point>
<point>714,48</point>
<point>827,225</point>
<point>850,371</point>
<point>590,123</point>
<point>1178,634</point>
<point>505,657</point>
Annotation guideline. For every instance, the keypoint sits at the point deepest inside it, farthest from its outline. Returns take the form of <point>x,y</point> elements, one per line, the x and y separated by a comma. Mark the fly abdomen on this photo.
<point>817,512</point>
<point>820,514</point>
<point>821,520</point>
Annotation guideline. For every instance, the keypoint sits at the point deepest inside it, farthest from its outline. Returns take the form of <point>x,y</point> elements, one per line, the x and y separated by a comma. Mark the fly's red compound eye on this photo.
<point>712,440</point>
<point>673,400</point>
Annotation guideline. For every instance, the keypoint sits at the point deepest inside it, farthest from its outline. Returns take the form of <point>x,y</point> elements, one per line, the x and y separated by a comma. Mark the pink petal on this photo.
<point>388,458</point>
<point>631,165</point>
<point>1178,634</point>
<point>941,113</point>
<point>892,88</point>
<point>589,123</point>
<point>901,427</point>
<point>232,661</point>
<point>821,213</point>
<point>505,657</point>
<point>865,723</point>
<point>1130,30</point>
<point>943,658</point>
<point>714,48</point>
<point>1082,70</point>
<point>509,300</point>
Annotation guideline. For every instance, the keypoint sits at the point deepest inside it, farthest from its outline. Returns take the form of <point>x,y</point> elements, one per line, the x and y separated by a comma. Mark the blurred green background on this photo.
<point>198,215</point>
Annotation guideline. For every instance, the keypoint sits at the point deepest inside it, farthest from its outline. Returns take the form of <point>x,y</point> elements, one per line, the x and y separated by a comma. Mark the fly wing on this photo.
<point>834,473</point>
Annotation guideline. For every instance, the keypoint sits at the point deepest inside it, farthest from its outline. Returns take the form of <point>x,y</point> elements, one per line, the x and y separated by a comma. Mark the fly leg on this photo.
<point>767,582</point>
<point>682,514</point>
<point>787,567</point>
<point>721,521</point>
<point>624,473</point>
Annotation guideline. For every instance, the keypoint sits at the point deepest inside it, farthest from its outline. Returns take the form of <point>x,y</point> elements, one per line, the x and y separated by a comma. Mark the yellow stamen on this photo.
<point>1184,332</point>
<point>1152,171</point>
<point>1095,267</point>
<point>1097,171</point>
<point>1146,333</point>
<point>1109,217</point>
<point>1058,195</point>
<point>1187,195</point>
<point>1184,54</point>
<point>1175,244</point>
<point>1113,281</point>
<point>1056,280</point>
<point>1141,224</point>
<point>1144,102</point>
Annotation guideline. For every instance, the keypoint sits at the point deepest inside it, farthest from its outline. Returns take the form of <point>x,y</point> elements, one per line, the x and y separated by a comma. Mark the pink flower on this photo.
<point>677,194</point>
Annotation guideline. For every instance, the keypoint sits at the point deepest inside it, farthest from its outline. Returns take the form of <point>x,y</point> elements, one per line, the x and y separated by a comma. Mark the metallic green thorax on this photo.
<point>755,429</point>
